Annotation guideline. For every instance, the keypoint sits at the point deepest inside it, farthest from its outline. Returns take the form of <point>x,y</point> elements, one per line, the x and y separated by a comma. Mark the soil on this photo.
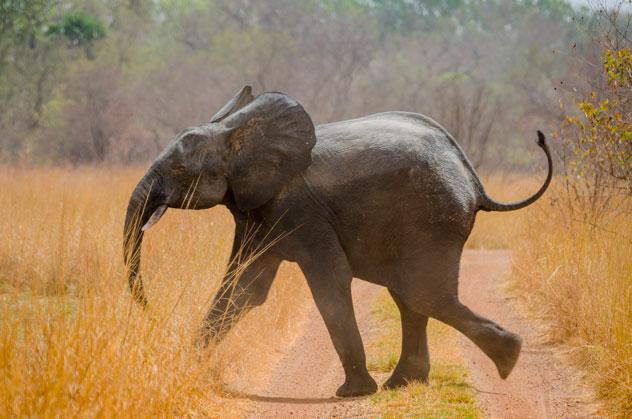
<point>542,385</point>
<point>307,373</point>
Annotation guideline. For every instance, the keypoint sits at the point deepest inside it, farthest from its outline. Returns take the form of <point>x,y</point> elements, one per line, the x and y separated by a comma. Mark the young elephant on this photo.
<point>389,198</point>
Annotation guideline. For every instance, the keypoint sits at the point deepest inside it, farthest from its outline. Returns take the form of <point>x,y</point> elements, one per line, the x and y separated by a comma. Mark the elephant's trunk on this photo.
<point>144,201</point>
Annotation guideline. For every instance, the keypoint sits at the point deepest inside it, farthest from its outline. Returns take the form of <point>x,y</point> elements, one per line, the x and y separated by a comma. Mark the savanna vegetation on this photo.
<point>575,265</point>
<point>91,90</point>
<point>112,81</point>
<point>73,343</point>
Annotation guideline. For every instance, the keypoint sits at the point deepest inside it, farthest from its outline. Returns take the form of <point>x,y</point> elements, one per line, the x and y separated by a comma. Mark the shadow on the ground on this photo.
<point>292,400</point>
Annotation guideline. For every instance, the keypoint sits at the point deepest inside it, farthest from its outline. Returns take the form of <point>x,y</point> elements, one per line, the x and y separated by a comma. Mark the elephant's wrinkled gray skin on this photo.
<point>389,198</point>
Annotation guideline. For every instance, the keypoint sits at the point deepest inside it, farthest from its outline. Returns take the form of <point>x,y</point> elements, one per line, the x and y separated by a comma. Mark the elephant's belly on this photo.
<point>383,257</point>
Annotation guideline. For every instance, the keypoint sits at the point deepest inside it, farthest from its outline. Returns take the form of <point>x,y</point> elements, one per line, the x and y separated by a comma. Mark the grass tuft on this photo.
<point>449,393</point>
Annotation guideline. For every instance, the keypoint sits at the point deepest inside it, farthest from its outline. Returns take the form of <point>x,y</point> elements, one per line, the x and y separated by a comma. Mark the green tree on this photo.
<point>80,29</point>
<point>21,21</point>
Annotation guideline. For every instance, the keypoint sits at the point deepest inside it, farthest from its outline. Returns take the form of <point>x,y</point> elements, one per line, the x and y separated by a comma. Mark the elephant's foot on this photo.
<point>402,378</point>
<point>357,386</point>
<point>506,353</point>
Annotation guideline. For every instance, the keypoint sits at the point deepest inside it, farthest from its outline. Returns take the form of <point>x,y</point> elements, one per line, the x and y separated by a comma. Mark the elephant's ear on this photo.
<point>241,99</point>
<point>270,141</point>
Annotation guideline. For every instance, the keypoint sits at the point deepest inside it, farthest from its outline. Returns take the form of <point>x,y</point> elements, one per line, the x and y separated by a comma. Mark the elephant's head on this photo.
<point>244,155</point>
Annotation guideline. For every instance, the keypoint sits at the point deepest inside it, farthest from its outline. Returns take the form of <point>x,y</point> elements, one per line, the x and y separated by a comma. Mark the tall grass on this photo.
<point>71,339</point>
<point>72,342</point>
<point>579,277</point>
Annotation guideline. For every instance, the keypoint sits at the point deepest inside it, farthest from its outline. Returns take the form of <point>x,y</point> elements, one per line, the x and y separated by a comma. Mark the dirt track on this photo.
<point>542,385</point>
<point>306,376</point>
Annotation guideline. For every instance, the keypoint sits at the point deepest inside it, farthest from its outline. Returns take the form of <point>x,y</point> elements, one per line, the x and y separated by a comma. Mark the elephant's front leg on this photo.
<point>329,278</point>
<point>241,289</point>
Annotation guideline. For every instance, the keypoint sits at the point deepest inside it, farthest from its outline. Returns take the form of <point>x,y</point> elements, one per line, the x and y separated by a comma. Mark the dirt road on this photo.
<point>542,385</point>
<point>306,376</point>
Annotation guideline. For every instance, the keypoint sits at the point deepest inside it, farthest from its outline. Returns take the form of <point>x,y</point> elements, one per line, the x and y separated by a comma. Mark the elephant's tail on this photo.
<point>488,204</point>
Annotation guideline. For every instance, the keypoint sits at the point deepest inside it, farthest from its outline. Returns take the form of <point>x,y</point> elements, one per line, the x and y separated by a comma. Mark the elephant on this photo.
<point>388,198</point>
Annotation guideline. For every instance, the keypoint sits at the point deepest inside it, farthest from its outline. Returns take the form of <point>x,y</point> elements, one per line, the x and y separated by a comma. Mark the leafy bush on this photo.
<point>79,28</point>
<point>599,168</point>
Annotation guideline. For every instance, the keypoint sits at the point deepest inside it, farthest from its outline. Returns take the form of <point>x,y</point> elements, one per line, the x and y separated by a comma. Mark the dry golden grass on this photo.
<point>71,340</point>
<point>579,277</point>
<point>73,343</point>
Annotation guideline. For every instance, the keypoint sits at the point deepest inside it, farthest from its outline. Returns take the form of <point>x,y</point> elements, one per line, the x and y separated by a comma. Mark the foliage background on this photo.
<point>112,81</point>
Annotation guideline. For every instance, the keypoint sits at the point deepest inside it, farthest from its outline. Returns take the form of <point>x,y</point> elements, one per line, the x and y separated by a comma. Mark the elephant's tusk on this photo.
<point>154,217</point>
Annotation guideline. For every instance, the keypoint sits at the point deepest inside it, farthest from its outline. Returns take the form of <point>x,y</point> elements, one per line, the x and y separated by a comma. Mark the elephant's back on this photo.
<point>405,137</point>
<point>406,151</point>
<point>396,128</point>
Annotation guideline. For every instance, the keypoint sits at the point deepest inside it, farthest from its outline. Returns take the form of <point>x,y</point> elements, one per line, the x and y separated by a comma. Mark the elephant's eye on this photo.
<point>191,140</point>
<point>178,167</point>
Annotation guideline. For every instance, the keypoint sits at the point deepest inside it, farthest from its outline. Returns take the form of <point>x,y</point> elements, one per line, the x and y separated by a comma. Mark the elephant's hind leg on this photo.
<point>500,345</point>
<point>435,294</point>
<point>414,361</point>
